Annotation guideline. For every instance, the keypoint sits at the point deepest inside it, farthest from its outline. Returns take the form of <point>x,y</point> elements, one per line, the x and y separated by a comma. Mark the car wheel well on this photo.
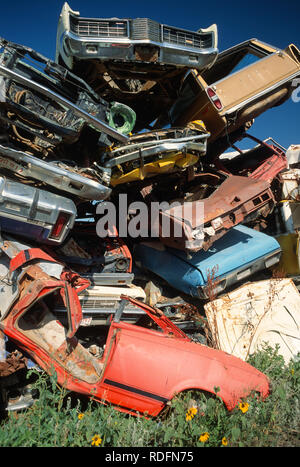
<point>190,397</point>
<point>197,390</point>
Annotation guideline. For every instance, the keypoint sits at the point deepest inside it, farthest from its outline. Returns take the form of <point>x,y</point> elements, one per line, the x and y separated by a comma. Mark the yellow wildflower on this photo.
<point>96,440</point>
<point>80,416</point>
<point>204,437</point>
<point>292,371</point>
<point>191,413</point>
<point>224,441</point>
<point>244,406</point>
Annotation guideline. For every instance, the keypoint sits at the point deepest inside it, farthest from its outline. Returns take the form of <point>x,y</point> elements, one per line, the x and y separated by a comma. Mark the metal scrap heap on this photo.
<point>135,230</point>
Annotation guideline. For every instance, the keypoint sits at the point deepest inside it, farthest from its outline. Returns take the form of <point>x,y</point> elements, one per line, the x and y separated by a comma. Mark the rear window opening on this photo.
<point>232,61</point>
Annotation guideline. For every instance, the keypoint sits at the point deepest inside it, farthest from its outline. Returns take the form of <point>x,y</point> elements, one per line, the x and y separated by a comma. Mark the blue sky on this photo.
<point>276,22</point>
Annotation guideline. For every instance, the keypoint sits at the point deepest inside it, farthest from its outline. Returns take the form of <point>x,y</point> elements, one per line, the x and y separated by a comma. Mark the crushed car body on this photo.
<point>154,153</point>
<point>233,202</point>
<point>129,40</point>
<point>119,377</point>
<point>265,161</point>
<point>264,312</point>
<point>124,311</point>
<point>236,256</point>
<point>21,81</point>
<point>134,61</point>
<point>37,214</point>
<point>245,81</point>
<point>62,115</point>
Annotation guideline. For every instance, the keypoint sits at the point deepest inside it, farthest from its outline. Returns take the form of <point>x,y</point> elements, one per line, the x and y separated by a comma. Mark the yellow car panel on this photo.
<point>169,164</point>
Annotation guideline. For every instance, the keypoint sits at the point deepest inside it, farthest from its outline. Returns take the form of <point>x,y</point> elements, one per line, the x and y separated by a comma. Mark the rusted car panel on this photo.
<point>245,81</point>
<point>13,395</point>
<point>264,161</point>
<point>135,373</point>
<point>271,167</point>
<point>233,202</point>
<point>100,259</point>
<point>14,362</point>
<point>258,312</point>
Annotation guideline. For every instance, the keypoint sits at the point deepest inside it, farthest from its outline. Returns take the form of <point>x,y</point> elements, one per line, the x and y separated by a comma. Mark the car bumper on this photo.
<point>136,50</point>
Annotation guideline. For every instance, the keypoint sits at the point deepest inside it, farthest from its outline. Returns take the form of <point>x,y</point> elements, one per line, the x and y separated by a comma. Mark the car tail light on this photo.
<point>214,98</point>
<point>60,224</point>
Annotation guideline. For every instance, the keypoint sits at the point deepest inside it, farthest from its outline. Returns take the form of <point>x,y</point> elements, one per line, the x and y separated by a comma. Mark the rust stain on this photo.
<point>222,211</point>
<point>14,362</point>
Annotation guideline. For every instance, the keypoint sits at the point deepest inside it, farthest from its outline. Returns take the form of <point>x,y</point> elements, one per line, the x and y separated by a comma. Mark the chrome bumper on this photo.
<point>126,50</point>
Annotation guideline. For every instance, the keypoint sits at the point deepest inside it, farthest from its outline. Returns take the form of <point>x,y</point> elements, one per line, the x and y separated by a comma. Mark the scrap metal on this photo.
<point>132,106</point>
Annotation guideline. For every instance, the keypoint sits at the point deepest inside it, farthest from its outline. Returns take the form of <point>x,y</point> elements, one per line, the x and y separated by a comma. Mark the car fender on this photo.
<point>227,398</point>
<point>225,389</point>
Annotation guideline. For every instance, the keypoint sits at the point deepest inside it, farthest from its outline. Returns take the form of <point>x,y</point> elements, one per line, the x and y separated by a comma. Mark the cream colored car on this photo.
<point>245,81</point>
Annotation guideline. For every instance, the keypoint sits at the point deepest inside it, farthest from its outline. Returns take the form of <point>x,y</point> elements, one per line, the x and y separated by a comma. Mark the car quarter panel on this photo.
<point>147,369</point>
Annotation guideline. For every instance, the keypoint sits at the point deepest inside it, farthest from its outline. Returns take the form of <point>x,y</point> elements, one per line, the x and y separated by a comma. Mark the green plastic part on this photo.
<point>121,117</point>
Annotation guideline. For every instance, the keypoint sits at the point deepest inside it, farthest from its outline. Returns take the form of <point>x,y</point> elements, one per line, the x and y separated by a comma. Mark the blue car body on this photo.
<point>237,255</point>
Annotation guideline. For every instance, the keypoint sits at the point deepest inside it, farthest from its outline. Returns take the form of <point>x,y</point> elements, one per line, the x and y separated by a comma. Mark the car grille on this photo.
<point>94,304</point>
<point>145,29</point>
<point>101,305</point>
<point>139,29</point>
<point>186,38</point>
<point>98,28</point>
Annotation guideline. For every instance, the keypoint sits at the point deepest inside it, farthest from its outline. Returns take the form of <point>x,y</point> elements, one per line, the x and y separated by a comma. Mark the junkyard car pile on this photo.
<point>153,113</point>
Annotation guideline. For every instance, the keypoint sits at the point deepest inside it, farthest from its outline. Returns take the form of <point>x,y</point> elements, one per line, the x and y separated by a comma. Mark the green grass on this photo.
<point>57,419</point>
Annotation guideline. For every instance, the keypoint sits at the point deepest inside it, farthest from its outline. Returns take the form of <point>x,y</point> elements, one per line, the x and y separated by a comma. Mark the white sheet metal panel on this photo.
<point>265,311</point>
<point>293,154</point>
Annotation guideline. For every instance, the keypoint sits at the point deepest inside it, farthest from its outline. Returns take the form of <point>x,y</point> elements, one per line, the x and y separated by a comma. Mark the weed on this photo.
<point>60,418</point>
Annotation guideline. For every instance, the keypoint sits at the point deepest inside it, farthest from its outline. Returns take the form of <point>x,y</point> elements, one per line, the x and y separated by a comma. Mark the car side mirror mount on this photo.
<point>120,310</point>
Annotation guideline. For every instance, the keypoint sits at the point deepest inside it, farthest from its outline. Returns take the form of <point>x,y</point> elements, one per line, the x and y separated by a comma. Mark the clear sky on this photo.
<point>33,23</point>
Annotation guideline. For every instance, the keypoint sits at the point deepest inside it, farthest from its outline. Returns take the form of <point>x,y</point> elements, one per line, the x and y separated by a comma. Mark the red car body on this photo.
<point>141,368</point>
<point>263,162</point>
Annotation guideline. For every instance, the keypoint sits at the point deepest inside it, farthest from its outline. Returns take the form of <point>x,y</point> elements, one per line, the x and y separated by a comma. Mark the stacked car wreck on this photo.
<point>137,109</point>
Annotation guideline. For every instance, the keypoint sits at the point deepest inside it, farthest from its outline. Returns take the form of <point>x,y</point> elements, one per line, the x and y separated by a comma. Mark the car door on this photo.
<point>245,81</point>
<point>262,69</point>
<point>137,373</point>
